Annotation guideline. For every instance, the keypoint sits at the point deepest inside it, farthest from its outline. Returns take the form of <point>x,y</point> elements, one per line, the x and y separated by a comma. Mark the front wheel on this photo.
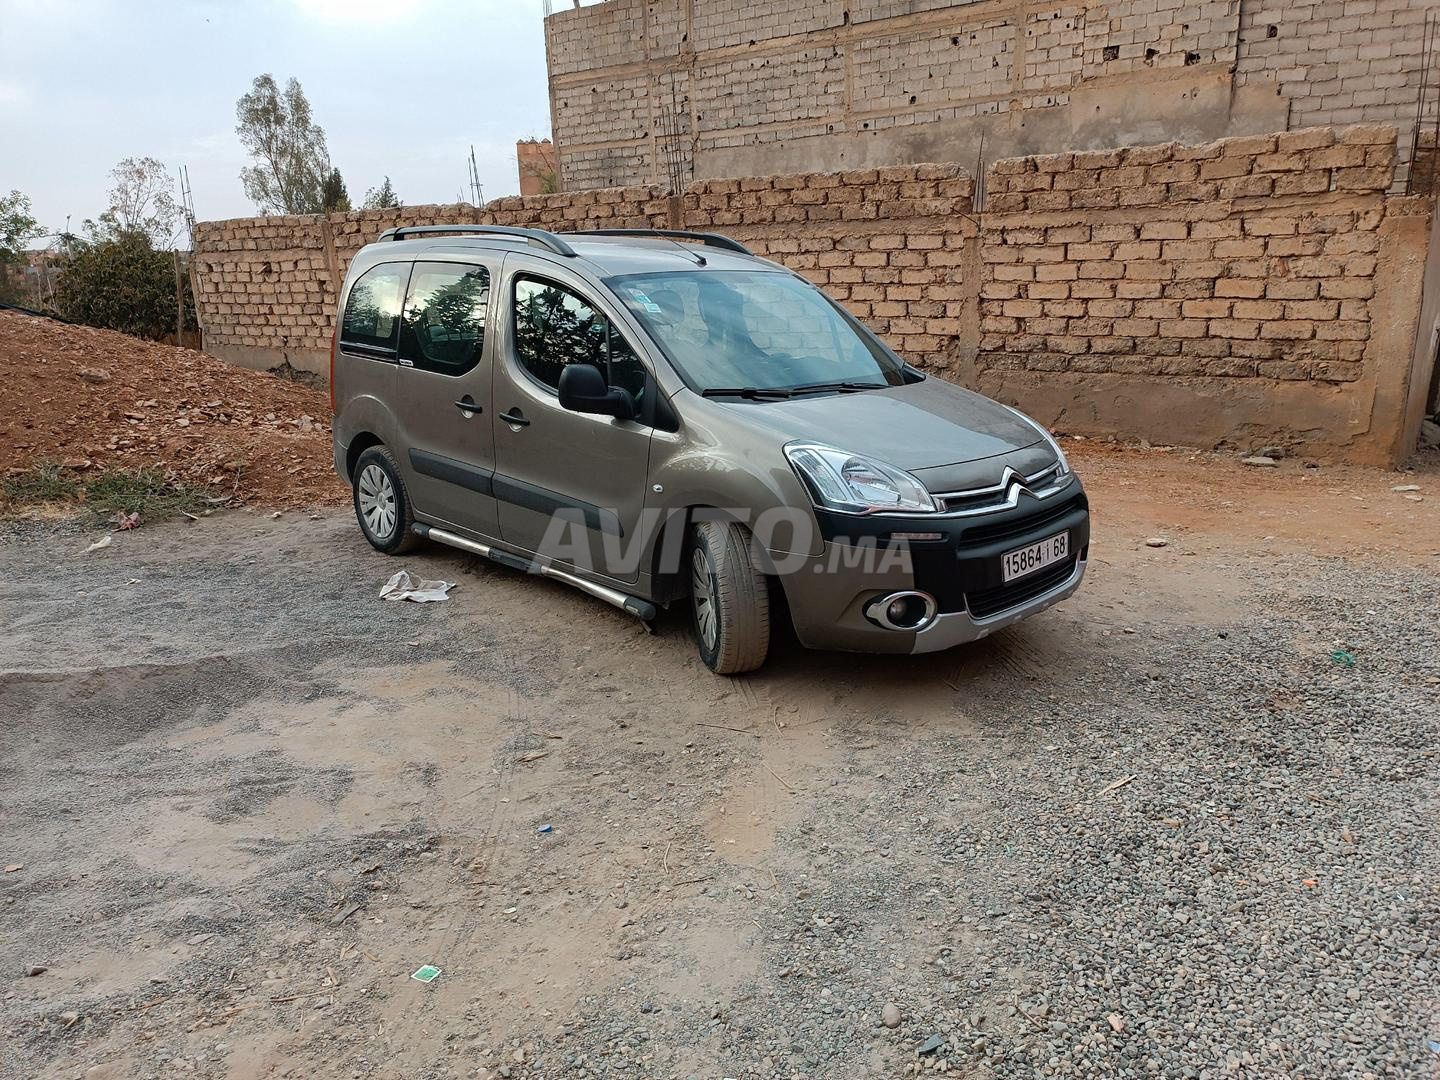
<point>382,505</point>
<point>730,599</point>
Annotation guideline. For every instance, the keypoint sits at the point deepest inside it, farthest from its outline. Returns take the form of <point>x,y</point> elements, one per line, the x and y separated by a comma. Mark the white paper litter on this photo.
<point>406,586</point>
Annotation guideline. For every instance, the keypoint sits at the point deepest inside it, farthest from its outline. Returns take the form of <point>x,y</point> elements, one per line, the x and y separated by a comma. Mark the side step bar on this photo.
<point>641,609</point>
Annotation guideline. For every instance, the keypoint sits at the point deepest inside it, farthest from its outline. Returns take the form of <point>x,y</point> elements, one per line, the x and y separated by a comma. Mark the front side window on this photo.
<point>443,328</point>
<point>767,330</point>
<point>555,327</point>
<point>372,311</point>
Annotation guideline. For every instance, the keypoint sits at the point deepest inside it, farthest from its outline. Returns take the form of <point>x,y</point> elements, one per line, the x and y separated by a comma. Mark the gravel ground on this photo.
<point>1160,831</point>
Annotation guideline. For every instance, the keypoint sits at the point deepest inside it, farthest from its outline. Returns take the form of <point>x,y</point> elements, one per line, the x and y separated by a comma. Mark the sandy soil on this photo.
<point>246,799</point>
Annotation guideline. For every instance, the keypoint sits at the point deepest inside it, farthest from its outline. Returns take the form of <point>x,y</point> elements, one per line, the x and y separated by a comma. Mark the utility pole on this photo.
<point>179,304</point>
<point>477,193</point>
<point>187,205</point>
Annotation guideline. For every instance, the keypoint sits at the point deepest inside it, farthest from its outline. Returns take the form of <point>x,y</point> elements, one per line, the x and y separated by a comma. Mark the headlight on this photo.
<point>854,484</point>
<point>1050,441</point>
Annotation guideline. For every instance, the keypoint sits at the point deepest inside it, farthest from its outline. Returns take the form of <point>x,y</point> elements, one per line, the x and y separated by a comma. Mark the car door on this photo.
<point>368,335</point>
<point>443,393</point>
<point>566,480</point>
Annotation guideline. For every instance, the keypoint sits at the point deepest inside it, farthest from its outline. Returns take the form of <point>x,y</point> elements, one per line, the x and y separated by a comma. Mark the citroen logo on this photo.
<point>1014,484</point>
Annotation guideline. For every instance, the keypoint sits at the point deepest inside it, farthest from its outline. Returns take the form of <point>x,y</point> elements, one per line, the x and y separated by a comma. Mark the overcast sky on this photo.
<point>401,87</point>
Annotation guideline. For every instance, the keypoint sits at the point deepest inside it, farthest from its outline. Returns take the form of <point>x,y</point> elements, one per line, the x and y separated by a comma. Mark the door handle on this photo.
<point>516,417</point>
<point>466,405</point>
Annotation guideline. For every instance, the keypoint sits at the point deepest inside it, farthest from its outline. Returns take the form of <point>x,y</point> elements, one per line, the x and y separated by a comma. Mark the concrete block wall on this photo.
<point>769,86</point>
<point>1239,292</point>
<point>1336,61</point>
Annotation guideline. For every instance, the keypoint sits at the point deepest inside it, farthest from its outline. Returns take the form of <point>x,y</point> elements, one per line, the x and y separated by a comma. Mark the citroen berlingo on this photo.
<point>657,417</point>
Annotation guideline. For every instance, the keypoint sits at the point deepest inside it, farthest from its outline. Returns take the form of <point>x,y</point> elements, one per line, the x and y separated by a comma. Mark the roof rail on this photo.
<point>535,236</point>
<point>709,239</point>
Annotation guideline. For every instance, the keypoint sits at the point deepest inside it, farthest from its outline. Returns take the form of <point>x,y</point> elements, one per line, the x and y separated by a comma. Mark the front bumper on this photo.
<point>961,570</point>
<point>959,627</point>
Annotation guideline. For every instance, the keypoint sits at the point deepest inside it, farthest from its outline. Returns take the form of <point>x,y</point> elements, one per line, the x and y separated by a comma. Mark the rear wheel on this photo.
<point>382,505</point>
<point>730,599</point>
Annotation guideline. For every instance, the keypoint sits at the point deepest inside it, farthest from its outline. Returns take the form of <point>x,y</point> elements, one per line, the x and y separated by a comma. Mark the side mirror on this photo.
<point>584,390</point>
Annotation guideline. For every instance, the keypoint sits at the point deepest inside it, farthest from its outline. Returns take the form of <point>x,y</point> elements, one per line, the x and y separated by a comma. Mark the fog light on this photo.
<point>905,611</point>
<point>902,611</point>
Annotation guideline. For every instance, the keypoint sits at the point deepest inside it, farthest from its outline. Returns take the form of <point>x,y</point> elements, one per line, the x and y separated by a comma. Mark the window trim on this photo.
<point>614,324</point>
<point>364,348</point>
<point>405,304</point>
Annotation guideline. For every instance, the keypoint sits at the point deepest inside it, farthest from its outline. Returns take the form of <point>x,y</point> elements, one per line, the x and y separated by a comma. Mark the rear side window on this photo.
<point>555,327</point>
<point>443,329</point>
<point>372,313</point>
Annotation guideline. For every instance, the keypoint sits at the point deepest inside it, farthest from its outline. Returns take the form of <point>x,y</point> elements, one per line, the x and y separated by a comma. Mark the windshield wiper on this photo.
<point>812,388</point>
<point>751,392</point>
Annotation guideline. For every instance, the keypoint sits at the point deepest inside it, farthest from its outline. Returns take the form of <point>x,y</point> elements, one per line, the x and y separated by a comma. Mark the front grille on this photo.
<point>987,602</point>
<point>1019,526</point>
<point>995,497</point>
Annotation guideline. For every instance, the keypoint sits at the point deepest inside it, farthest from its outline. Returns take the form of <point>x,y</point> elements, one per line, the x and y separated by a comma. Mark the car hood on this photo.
<point>951,438</point>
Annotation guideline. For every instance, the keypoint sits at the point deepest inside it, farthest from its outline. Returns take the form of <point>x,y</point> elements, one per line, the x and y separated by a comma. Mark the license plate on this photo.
<point>1032,557</point>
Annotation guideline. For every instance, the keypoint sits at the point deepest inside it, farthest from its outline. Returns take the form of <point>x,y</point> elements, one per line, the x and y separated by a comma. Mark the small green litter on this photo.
<point>427,974</point>
<point>1343,656</point>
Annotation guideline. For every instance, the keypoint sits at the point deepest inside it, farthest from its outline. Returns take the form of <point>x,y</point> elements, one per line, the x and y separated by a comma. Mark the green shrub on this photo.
<point>122,283</point>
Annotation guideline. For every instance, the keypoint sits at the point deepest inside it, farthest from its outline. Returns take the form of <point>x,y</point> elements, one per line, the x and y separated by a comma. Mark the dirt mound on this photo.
<point>97,399</point>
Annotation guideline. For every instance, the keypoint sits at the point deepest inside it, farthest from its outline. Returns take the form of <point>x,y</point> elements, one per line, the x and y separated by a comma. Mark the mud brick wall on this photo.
<point>1240,292</point>
<point>890,244</point>
<point>1245,257</point>
<point>265,288</point>
<point>885,241</point>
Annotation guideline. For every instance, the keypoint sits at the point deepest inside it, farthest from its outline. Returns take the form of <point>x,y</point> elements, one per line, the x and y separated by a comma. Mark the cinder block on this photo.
<point>1234,328</point>
<point>1206,309</point>
<point>1305,139</point>
<point>1149,155</point>
<point>1164,230</point>
<point>1368,134</point>
<point>1240,288</point>
<point>1288,330</point>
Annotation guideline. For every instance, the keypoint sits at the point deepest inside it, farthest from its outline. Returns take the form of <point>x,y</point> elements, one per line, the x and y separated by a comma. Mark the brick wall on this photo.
<point>887,243</point>
<point>779,85</point>
<point>538,168</point>
<point>266,287</point>
<point>1241,258</point>
<point>1249,290</point>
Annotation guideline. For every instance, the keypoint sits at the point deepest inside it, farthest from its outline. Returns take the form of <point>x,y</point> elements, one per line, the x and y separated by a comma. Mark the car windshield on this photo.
<point>743,330</point>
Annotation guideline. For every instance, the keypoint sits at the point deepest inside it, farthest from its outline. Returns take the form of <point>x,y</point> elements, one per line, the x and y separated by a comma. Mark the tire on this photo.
<point>382,504</point>
<point>730,599</point>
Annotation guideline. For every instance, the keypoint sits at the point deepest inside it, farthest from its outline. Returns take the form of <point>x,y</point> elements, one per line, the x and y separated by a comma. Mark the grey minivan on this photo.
<point>657,416</point>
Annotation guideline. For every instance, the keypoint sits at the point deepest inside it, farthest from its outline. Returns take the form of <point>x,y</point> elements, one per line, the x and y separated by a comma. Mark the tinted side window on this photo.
<point>443,328</point>
<point>372,313</point>
<point>555,327</point>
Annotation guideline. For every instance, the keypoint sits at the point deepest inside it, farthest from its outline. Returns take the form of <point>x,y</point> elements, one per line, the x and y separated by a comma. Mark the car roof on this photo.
<point>605,256</point>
